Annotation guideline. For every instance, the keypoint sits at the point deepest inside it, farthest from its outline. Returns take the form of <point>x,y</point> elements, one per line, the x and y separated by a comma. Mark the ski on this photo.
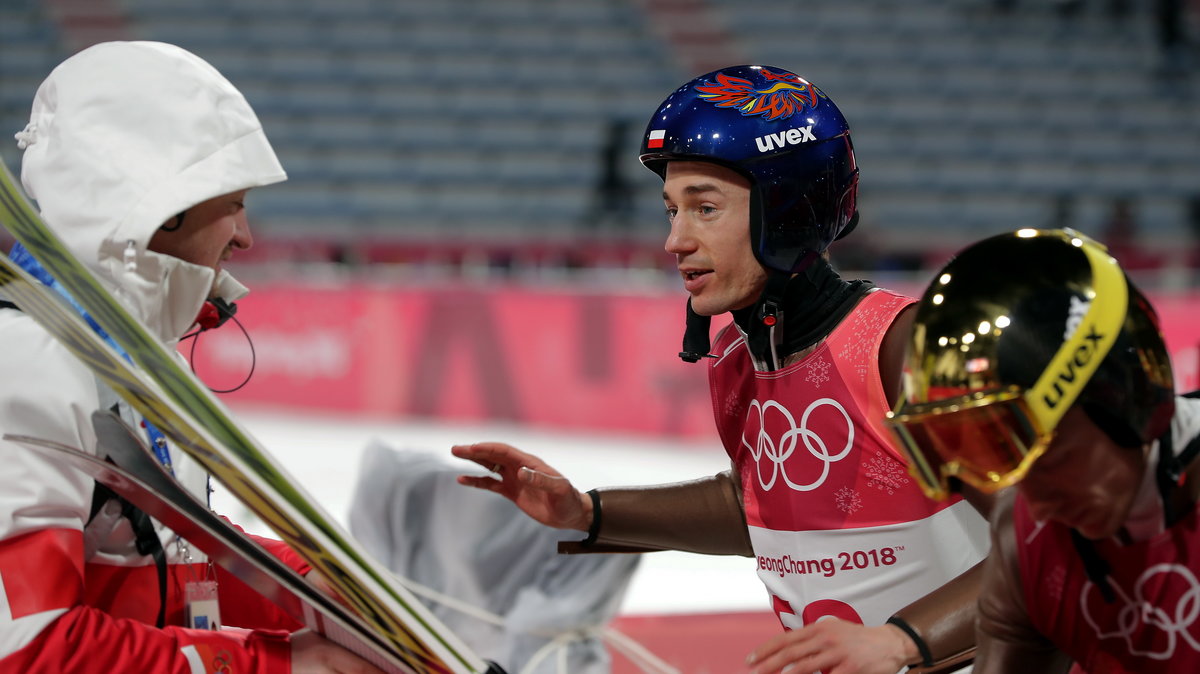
<point>136,475</point>
<point>169,397</point>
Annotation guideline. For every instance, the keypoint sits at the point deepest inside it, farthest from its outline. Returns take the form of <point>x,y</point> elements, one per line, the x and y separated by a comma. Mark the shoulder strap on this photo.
<point>1171,467</point>
<point>101,494</point>
<point>145,537</point>
<point>1188,454</point>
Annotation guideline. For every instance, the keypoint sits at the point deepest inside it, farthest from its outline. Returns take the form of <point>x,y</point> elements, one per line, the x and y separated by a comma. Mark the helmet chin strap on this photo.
<point>763,337</point>
<point>695,337</point>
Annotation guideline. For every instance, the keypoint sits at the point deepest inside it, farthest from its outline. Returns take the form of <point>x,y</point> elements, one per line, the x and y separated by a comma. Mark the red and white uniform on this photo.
<point>838,526</point>
<point>1154,624</point>
<point>123,137</point>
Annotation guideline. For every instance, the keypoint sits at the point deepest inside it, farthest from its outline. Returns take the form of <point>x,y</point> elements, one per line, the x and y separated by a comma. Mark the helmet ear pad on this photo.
<point>1131,396</point>
<point>849,226</point>
<point>1117,429</point>
<point>777,246</point>
<point>796,215</point>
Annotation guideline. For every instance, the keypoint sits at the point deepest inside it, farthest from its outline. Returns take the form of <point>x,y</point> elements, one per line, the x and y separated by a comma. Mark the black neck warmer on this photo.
<point>804,308</point>
<point>811,304</point>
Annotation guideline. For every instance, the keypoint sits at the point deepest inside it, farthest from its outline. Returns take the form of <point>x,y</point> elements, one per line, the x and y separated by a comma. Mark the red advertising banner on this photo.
<point>548,358</point>
<point>1180,317</point>
<point>542,357</point>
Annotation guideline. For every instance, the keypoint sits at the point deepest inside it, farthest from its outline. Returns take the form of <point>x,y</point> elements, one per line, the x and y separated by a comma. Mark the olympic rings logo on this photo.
<point>777,455</point>
<point>222,663</point>
<point>1136,613</point>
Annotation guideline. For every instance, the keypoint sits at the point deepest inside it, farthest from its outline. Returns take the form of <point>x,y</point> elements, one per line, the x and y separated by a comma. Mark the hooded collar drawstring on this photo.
<point>27,136</point>
<point>130,256</point>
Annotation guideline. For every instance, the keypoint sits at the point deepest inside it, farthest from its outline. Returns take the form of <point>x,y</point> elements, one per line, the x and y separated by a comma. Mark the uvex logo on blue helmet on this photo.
<point>781,132</point>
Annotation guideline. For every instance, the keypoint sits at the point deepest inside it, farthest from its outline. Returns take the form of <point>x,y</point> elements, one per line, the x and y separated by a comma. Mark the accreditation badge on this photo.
<point>203,610</point>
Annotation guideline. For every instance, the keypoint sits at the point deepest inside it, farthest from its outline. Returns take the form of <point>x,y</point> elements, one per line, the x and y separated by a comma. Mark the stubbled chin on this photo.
<point>707,306</point>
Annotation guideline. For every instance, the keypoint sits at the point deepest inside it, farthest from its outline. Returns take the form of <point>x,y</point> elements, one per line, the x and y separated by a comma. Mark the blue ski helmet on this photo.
<point>785,136</point>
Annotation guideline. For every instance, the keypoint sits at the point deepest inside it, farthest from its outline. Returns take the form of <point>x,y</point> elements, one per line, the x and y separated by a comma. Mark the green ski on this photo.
<point>170,397</point>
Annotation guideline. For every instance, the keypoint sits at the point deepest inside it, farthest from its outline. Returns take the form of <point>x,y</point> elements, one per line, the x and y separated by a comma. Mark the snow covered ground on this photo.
<point>322,453</point>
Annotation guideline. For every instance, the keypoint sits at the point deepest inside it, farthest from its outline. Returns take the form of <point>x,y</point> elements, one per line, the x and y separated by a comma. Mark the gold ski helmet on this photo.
<point>1010,334</point>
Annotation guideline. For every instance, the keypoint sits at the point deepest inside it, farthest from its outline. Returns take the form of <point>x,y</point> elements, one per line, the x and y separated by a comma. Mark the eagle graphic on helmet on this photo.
<point>787,94</point>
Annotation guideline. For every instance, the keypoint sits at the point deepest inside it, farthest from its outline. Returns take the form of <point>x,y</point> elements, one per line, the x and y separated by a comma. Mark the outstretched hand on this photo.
<point>834,646</point>
<point>537,489</point>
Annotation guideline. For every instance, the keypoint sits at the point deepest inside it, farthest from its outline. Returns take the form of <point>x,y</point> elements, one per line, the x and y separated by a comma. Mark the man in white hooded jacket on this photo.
<point>139,155</point>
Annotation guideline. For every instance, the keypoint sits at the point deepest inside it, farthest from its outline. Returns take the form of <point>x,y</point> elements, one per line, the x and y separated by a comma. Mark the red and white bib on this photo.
<point>839,527</point>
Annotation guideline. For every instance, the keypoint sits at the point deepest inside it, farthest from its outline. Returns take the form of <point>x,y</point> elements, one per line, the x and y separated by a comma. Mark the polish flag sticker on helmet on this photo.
<point>656,138</point>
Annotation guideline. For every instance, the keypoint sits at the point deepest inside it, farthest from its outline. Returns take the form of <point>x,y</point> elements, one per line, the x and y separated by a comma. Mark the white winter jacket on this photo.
<point>122,137</point>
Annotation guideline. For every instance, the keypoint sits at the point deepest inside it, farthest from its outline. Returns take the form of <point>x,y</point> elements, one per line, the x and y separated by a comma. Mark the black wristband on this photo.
<point>922,647</point>
<point>594,529</point>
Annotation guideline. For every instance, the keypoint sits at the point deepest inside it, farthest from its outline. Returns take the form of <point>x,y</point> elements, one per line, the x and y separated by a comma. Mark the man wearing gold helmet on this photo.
<point>1034,362</point>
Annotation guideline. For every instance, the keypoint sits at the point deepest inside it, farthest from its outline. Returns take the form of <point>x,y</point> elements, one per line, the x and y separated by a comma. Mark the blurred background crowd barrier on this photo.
<point>467,232</point>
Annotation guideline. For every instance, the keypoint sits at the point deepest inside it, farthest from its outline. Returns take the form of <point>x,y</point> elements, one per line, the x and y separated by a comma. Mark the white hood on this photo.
<point>122,137</point>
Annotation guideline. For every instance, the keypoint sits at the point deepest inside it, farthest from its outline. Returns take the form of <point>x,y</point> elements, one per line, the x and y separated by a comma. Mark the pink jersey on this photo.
<point>1154,624</point>
<point>838,526</point>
